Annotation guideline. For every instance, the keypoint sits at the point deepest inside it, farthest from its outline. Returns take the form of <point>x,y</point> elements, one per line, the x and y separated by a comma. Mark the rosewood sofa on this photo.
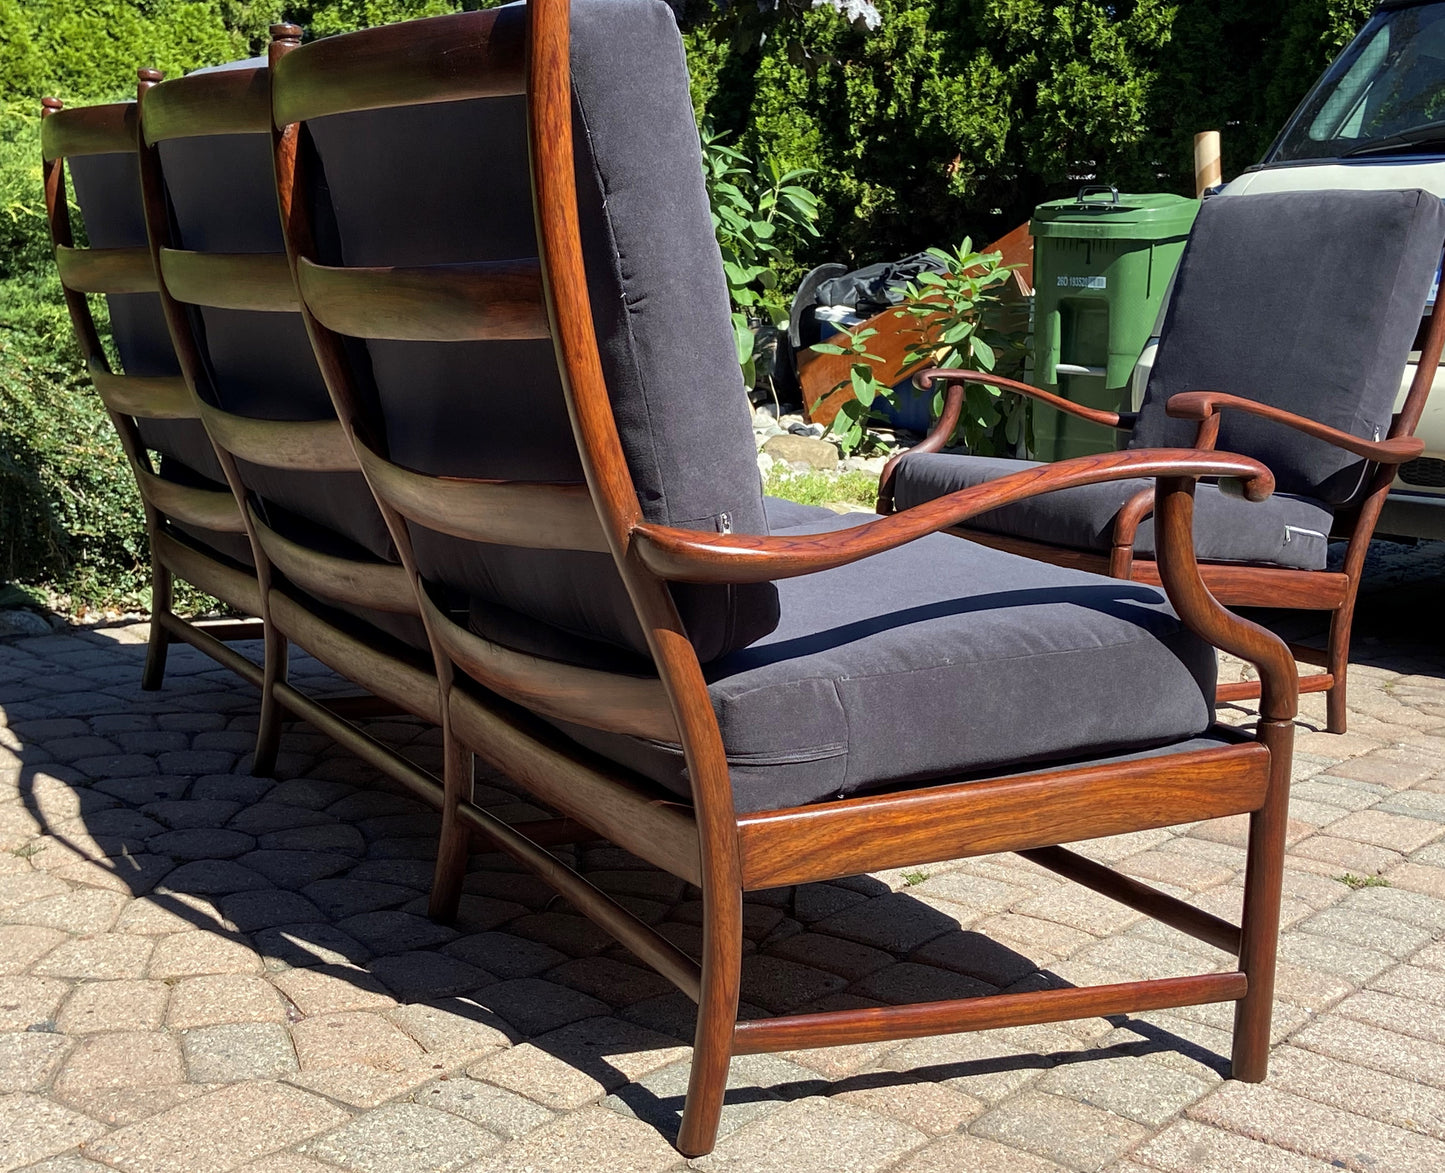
<point>500,249</point>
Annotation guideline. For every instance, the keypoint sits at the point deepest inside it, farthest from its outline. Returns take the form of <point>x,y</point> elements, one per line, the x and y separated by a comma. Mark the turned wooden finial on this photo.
<point>290,33</point>
<point>49,106</point>
<point>145,78</point>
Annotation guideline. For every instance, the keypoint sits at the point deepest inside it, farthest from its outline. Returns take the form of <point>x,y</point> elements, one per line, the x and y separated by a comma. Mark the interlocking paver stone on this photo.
<point>223,998</point>
<point>405,1138</point>
<point>1074,1134</point>
<point>28,1059</point>
<point>118,1005</point>
<point>28,1001</point>
<point>504,1113</point>
<point>1341,1138</point>
<point>974,1154</point>
<point>356,1037</point>
<point>828,1136</point>
<point>35,1128</point>
<point>233,1052</point>
<point>193,954</point>
<point>1189,1147</point>
<point>217,1132</point>
<point>106,955</point>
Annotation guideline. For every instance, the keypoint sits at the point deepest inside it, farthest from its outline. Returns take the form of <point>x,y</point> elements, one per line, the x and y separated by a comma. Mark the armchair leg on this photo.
<point>268,731</point>
<point>1339,665</point>
<point>1263,882</point>
<point>452,849</point>
<point>717,1015</point>
<point>160,640</point>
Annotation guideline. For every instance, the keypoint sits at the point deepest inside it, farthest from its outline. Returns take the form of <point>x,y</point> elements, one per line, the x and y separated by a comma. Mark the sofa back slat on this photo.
<point>230,281</point>
<point>151,397</point>
<point>482,301</point>
<point>89,130</point>
<point>105,270</point>
<point>543,516</point>
<point>301,445</point>
<point>469,55</point>
<point>222,101</point>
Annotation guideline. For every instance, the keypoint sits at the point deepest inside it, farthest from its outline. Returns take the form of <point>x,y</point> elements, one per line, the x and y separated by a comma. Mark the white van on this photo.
<point>1376,119</point>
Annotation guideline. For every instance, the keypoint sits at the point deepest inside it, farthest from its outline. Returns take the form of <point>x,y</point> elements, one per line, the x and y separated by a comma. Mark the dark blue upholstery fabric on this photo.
<point>1307,301</point>
<point>107,189</point>
<point>938,659</point>
<point>260,364</point>
<point>1281,531</point>
<point>659,302</point>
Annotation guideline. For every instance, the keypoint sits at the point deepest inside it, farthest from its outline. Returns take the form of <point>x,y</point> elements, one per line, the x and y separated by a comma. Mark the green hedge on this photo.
<point>953,117</point>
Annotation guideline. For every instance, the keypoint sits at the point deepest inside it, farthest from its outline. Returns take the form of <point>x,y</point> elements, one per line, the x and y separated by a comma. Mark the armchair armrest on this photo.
<point>1204,405</point>
<point>957,382</point>
<point>692,556</point>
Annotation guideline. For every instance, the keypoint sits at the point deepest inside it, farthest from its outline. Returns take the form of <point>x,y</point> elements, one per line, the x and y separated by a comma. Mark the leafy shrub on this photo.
<point>756,214</point>
<point>946,322</point>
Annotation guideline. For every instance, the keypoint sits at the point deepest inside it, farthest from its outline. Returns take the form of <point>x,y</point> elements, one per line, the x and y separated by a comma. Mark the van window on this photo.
<point>1384,95</point>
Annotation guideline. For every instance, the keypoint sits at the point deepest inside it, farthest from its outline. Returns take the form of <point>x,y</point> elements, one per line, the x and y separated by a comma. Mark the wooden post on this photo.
<point>1208,171</point>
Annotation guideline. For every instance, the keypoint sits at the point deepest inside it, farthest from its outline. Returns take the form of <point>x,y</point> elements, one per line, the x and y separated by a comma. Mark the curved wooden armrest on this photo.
<point>1109,419</point>
<point>1201,405</point>
<point>957,382</point>
<point>690,556</point>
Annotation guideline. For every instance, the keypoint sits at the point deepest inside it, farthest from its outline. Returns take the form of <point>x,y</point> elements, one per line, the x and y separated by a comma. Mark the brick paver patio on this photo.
<point>204,971</point>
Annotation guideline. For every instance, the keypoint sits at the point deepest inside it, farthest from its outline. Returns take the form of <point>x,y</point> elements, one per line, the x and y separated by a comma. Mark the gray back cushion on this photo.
<point>259,364</point>
<point>1307,301</point>
<point>449,183</point>
<point>107,189</point>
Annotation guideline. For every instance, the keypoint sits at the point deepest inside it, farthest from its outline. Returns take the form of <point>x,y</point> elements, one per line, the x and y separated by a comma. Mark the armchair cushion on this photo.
<point>937,659</point>
<point>1284,530</point>
<point>1306,301</point>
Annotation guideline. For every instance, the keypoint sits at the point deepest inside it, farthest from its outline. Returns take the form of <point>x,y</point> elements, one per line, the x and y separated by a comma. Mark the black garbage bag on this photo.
<point>873,289</point>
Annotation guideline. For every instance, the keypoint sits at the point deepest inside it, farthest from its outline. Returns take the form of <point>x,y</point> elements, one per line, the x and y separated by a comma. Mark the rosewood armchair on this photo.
<point>193,526</point>
<point>497,218</point>
<point>1292,318</point>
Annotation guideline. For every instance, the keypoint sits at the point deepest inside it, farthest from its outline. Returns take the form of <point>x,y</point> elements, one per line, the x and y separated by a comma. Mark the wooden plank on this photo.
<point>658,952</point>
<point>1262,586</point>
<point>506,513</point>
<point>830,840</point>
<point>619,806</point>
<point>876,1024</point>
<point>410,687</point>
<point>105,270</point>
<point>479,301</point>
<point>149,397</point>
<point>204,508</point>
<point>307,445</point>
<point>1141,897</point>
<point>634,705</point>
<point>440,59</point>
<point>229,281</point>
<point>235,587</point>
<point>89,130</point>
<point>227,101</point>
<point>382,586</point>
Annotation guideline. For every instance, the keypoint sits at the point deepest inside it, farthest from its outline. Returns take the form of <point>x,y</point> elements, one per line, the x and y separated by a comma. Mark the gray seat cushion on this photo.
<point>1284,530</point>
<point>1307,301</point>
<point>939,659</point>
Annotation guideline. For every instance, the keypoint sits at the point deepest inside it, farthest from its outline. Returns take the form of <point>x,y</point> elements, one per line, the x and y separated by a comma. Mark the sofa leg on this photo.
<point>454,845</point>
<point>268,731</point>
<point>717,1015</point>
<point>1339,666</point>
<point>160,638</point>
<point>1263,882</point>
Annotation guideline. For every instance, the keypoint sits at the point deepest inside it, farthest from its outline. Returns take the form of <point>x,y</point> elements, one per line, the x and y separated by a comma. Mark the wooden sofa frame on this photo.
<point>487,689</point>
<point>487,698</point>
<point>1234,584</point>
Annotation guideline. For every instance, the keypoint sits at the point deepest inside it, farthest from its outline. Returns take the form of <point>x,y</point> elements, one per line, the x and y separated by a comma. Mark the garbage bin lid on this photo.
<point>1104,213</point>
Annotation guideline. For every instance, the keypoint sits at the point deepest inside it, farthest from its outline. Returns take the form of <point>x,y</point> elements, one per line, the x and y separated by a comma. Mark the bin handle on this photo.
<point>1085,192</point>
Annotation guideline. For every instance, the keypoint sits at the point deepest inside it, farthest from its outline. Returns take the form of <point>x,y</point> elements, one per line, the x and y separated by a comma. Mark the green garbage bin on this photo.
<point>1102,263</point>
